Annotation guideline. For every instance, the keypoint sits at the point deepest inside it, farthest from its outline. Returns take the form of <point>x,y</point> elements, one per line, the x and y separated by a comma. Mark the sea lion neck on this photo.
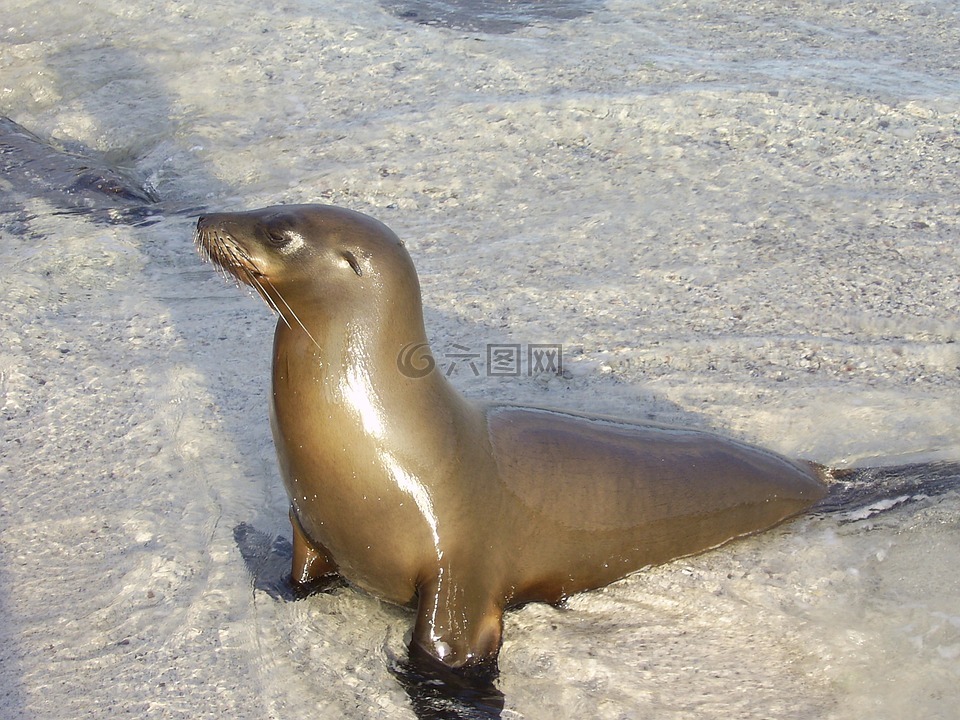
<point>361,366</point>
<point>376,322</point>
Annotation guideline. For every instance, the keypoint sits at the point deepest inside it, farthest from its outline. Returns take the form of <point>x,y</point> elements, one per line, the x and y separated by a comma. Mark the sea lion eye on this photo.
<point>277,238</point>
<point>285,239</point>
<point>280,231</point>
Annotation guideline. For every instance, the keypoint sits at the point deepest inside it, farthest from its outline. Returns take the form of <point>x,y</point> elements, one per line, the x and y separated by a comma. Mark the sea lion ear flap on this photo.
<point>352,260</point>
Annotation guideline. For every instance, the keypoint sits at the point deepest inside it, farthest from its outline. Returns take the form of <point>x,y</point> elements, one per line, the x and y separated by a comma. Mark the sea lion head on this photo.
<point>301,256</point>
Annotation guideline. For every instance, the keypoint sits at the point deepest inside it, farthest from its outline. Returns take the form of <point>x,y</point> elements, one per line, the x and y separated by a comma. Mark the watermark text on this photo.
<point>493,360</point>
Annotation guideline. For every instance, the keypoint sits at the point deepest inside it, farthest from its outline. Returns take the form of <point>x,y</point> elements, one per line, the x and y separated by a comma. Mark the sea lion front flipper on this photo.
<point>310,563</point>
<point>457,624</point>
<point>452,669</point>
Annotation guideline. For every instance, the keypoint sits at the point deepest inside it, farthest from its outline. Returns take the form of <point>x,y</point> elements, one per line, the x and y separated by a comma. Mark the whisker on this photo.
<point>299,321</point>
<point>266,297</point>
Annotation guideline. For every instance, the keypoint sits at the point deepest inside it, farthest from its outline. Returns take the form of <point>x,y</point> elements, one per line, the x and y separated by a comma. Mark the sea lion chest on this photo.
<point>364,485</point>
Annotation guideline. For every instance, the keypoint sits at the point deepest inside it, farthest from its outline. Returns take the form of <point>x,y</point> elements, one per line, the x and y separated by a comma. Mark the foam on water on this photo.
<point>739,216</point>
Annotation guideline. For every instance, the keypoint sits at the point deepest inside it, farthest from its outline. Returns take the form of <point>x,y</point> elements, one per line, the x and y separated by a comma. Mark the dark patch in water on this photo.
<point>860,493</point>
<point>76,182</point>
<point>268,561</point>
<point>438,693</point>
<point>489,16</point>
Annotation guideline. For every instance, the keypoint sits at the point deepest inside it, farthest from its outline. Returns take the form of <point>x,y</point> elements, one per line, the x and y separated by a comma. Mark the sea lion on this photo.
<point>419,496</point>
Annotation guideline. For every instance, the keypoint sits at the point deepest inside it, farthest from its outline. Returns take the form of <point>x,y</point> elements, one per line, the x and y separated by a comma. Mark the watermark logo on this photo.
<point>497,360</point>
<point>415,360</point>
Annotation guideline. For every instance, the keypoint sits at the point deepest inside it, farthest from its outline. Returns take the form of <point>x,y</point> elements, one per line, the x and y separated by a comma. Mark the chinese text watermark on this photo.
<point>494,360</point>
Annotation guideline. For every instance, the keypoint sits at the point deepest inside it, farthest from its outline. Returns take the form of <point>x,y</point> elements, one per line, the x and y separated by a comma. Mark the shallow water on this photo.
<point>736,216</point>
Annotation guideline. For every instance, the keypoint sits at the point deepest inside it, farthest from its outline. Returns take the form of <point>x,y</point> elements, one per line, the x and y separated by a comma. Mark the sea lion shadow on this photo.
<point>558,374</point>
<point>267,559</point>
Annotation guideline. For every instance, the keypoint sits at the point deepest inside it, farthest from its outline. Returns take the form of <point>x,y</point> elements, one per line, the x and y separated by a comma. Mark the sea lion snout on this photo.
<point>217,222</point>
<point>223,239</point>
